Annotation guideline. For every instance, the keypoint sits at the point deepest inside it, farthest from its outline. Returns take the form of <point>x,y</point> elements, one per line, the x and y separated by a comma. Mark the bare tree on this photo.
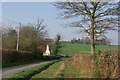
<point>32,36</point>
<point>40,28</point>
<point>95,18</point>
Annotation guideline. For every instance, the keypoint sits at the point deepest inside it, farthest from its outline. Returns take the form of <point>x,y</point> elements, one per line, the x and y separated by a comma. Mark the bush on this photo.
<point>9,56</point>
<point>107,63</point>
<point>56,46</point>
<point>52,57</point>
<point>37,53</point>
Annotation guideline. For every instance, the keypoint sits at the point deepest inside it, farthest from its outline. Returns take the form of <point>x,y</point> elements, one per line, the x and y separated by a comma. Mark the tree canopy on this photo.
<point>94,18</point>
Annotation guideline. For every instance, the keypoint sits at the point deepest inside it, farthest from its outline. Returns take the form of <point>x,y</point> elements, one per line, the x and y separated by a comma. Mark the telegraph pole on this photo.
<point>18,36</point>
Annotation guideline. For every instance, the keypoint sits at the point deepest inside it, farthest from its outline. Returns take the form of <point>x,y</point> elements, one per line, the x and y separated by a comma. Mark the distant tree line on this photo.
<point>86,40</point>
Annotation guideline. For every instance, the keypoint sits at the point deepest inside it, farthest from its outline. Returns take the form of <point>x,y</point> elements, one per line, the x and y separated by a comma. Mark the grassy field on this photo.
<point>71,49</point>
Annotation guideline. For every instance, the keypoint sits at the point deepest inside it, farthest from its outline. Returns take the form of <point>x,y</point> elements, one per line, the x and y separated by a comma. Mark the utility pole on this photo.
<point>18,36</point>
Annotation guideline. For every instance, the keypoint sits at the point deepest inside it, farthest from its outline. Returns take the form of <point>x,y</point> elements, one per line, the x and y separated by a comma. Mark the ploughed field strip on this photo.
<point>52,72</point>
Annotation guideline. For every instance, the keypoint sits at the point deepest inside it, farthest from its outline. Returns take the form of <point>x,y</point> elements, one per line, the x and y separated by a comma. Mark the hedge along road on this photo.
<point>9,72</point>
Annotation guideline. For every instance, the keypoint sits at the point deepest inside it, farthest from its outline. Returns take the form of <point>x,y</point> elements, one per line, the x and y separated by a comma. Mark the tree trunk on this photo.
<point>92,38</point>
<point>92,46</point>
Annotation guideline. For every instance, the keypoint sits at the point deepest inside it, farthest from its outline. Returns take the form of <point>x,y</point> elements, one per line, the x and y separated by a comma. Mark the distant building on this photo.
<point>48,40</point>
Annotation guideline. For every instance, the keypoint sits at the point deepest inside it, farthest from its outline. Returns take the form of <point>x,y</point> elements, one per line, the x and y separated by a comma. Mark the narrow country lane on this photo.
<point>9,72</point>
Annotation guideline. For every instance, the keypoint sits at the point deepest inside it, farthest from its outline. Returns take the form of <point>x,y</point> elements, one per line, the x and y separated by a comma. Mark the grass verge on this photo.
<point>69,71</point>
<point>28,73</point>
<point>51,72</point>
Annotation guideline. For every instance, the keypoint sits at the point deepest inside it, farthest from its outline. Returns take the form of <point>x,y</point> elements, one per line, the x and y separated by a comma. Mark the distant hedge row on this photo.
<point>9,56</point>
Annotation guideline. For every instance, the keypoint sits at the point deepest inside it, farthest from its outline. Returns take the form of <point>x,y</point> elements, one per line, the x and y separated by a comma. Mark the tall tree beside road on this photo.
<point>95,18</point>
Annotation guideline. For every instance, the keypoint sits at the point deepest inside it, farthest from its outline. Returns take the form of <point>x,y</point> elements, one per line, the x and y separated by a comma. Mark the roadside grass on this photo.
<point>71,49</point>
<point>50,72</point>
<point>28,73</point>
<point>69,71</point>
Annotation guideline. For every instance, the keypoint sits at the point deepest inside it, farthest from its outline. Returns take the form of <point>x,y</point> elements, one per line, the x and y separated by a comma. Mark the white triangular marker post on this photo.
<point>47,52</point>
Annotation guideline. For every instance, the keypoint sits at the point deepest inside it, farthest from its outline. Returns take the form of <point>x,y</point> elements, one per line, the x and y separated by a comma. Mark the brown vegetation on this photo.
<point>105,66</point>
<point>83,62</point>
<point>107,63</point>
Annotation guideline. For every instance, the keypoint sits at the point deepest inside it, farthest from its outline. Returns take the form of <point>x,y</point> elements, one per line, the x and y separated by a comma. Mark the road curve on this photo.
<point>9,72</point>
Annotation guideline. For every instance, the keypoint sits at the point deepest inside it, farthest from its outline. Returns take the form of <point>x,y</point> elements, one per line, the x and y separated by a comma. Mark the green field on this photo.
<point>71,49</point>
